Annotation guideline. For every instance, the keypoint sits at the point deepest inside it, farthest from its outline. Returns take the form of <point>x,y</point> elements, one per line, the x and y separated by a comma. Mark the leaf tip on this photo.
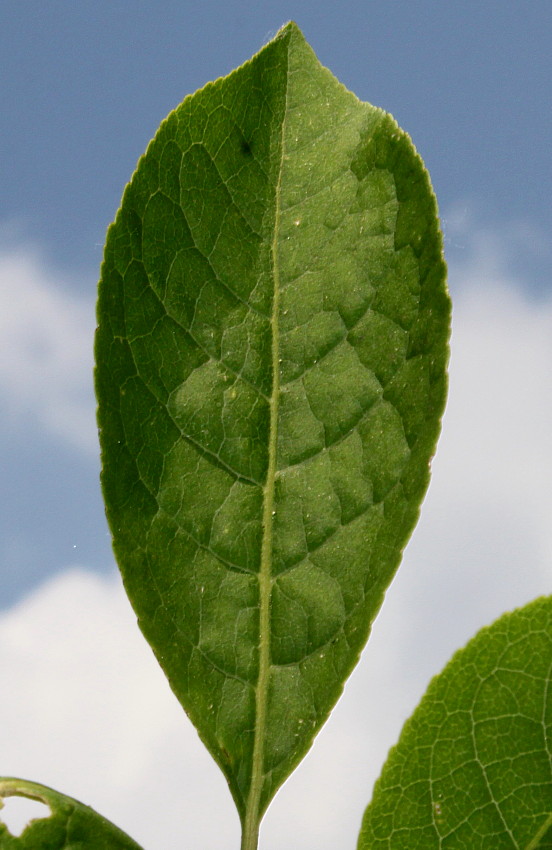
<point>290,28</point>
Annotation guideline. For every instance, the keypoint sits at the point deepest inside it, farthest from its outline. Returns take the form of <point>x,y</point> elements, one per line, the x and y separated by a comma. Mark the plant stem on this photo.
<point>250,834</point>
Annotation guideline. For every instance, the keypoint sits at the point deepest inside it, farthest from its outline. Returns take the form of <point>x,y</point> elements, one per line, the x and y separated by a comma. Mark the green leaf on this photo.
<point>271,356</point>
<point>473,766</point>
<point>71,824</point>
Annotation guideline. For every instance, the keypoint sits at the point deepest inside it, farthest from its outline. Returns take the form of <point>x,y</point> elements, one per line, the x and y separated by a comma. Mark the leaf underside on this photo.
<point>473,766</point>
<point>71,824</point>
<point>271,355</point>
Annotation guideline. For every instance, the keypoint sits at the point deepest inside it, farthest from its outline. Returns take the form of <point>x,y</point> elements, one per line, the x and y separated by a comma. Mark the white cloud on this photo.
<point>46,339</point>
<point>86,709</point>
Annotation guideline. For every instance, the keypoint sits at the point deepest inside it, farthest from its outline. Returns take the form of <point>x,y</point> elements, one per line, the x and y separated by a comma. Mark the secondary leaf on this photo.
<point>271,353</point>
<point>473,766</point>
<point>71,824</point>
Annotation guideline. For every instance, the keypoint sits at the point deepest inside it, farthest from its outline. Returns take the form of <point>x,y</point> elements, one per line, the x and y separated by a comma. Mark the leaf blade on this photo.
<point>279,418</point>
<point>70,824</point>
<point>473,765</point>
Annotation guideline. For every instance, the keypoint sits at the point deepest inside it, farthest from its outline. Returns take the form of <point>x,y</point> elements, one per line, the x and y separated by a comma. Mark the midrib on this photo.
<point>251,823</point>
<point>536,840</point>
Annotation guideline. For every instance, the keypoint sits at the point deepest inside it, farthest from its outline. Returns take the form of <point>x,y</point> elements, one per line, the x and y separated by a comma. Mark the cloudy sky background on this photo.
<point>84,86</point>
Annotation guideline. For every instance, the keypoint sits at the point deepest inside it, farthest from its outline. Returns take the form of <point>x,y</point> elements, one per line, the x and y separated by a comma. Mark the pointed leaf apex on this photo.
<point>292,29</point>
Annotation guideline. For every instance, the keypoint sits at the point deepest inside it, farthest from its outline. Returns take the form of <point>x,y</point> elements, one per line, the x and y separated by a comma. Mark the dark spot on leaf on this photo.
<point>245,147</point>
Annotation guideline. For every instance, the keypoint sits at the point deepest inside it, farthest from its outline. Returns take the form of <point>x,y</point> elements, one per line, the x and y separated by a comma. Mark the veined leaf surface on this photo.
<point>71,824</point>
<point>473,766</point>
<point>271,355</point>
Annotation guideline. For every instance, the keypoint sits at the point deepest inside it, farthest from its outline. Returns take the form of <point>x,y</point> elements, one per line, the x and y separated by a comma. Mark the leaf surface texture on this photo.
<point>271,353</point>
<point>71,824</point>
<point>473,766</point>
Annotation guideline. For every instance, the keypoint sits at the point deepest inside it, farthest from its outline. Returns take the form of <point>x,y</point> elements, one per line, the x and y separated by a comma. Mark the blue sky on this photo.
<point>84,87</point>
<point>86,84</point>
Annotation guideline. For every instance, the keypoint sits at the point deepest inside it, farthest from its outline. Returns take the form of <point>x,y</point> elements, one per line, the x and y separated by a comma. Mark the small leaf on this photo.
<point>271,353</point>
<point>71,824</point>
<point>473,766</point>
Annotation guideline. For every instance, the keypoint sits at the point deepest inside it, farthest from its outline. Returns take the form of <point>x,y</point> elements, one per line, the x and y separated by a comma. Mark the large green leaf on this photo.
<point>473,766</point>
<point>71,824</point>
<point>271,353</point>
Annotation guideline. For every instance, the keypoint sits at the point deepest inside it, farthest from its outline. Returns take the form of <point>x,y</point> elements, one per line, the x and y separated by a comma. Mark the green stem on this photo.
<point>250,835</point>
